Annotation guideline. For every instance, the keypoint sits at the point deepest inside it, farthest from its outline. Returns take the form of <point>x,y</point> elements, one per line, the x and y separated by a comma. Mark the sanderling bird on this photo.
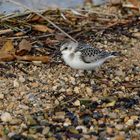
<point>83,56</point>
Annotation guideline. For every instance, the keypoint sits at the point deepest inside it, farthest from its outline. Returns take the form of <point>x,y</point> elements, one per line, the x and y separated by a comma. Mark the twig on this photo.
<point>45,18</point>
<point>9,16</point>
<point>36,37</point>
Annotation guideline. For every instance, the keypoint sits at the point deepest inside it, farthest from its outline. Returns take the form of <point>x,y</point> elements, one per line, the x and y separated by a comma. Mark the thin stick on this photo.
<point>45,18</point>
<point>9,16</point>
<point>36,37</point>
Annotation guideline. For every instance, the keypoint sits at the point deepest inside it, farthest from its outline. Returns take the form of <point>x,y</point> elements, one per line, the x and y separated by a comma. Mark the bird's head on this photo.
<point>68,47</point>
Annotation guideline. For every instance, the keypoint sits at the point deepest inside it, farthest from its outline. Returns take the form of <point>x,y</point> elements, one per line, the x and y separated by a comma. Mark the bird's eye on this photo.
<point>66,48</point>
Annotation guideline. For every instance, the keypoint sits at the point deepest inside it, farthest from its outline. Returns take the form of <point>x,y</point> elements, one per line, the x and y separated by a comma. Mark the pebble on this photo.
<point>21,79</point>
<point>130,122</point>
<point>16,83</point>
<point>46,130</point>
<point>72,79</point>
<point>67,122</point>
<point>1,96</point>
<point>138,125</point>
<point>109,130</point>
<point>73,130</point>
<point>30,120</point>
<point>127,79</point>
<point>37,63</point>
<point>77,103</point>
<point>83,128</point>
<point>113,115</point>
<point>119,127</point>
<point>6,117</point>
<point>76,90</point>
<point>119,73</point>
<point>60,115</point>
<point>69,91</point>
<point>119,137</point>
<point>89,91</point>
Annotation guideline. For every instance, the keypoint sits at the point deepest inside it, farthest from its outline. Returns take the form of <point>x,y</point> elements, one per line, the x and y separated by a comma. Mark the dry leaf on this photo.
<point>44,59</point>
<point>2,41</point>
<point>111,104</point>
<point>19,34</point>
<point>35,18</point>
<point>135,3</point>
<point>4,56</point>
<point>42,28</point>
<point>6,31</point>
<point>8,47</point>
<point>7,52</point>
<point>51,41</point>
<point>59,37</point>
<point>24,47</point>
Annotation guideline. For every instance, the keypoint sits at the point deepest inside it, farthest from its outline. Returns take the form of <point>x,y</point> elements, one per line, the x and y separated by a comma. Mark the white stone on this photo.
<point>6,117</point>
<point>1,96</point>
<point>16,83</point>
<point>77,103</point>
<point>21,79</point>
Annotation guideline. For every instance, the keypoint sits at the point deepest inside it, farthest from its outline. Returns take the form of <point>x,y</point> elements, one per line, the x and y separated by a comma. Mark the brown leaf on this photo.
<point>2,41</point>
<point>4,56</point>
<point>19,34</point>
<point>24,47</point>
<point>135,3</point>
<point>44,59</point>
<point>6,31</point>
<point>42,28</point>
<point>132,4</point>
<point>8,47</point>
<point>35,18</point>
<point>51,41</point>
<point>60,37</point>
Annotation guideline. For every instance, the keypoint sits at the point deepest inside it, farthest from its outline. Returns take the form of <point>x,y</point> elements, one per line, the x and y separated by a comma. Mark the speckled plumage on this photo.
<point>83,56</point>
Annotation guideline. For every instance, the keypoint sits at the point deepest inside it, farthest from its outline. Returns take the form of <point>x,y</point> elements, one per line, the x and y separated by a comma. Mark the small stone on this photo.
<point>1,96</point>
<point>137,35</point>
<point>73,130</point>
<point>76,90</point>
<point>77,103</point>
<point>126,119</point>
<point>119,126</point>
<point>83,128</point>
<point>119,73</point>
<point>35,84</point>
<point>69,91</point>
<point>67,122</point>
<point>89,91</point>
<point>130,122</point>
<point>134,117</point>
<point>72,79</point>
<point>92,82</point>
<point>6,117</point>
<point>21,79</point>
<point>119,137</point>
<point>37,63</point>
<point>127,79</point>
<point>138,125</point>
<point>109,130</point>
<point>30,120</point>
<point>16,83</point>
<point>45,130</point>
<point>60,115</point>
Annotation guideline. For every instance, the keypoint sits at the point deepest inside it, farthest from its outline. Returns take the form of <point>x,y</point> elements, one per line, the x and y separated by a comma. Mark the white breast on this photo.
<point>76,63</point>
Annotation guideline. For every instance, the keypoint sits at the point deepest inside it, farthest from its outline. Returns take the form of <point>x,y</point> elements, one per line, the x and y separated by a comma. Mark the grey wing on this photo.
<point>82,46</point>
<point>89,55</point>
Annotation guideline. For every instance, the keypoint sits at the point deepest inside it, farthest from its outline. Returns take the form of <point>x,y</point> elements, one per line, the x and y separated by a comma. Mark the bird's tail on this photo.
<point>115,54</point>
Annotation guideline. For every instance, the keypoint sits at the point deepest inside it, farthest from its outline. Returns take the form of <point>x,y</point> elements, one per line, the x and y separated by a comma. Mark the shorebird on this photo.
<point>83,56</point>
